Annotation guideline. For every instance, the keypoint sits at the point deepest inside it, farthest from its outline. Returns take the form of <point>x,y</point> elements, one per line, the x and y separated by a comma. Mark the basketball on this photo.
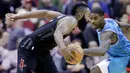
<point>77,52</point>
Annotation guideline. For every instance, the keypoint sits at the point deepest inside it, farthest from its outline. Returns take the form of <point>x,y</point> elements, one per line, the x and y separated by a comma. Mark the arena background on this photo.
<point>11,33</point>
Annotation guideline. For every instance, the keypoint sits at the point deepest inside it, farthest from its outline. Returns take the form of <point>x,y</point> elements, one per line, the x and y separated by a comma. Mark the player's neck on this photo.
<point>77,18</point>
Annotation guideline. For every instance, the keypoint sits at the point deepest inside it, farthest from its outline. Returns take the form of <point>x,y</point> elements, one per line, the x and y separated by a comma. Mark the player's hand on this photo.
<point>12,17</point>
<point>67,55</point>
<point>77,68</point>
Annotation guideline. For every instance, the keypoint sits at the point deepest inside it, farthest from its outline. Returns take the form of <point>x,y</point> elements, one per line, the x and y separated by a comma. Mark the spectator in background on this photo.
<point>119,8</point>
<point>66,9</point>
<point>47,4</point>
<point>9,60</point>
<point>4,8</point>
<point>27,7</point>
<point>3,36</point>
<point>126,16</point>
<point>3,53</point>
<point>126,19</point>
<point>15,4</point>
<point>100,4</point>
<point>59,4</point>
<point>90,35</point>
<point>1,30</point>
<point>16,33</point>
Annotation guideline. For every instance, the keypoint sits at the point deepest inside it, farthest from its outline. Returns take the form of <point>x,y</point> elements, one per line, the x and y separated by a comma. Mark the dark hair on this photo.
<point>98,10</point>
<point>78,5</point>
<point>82,23</point>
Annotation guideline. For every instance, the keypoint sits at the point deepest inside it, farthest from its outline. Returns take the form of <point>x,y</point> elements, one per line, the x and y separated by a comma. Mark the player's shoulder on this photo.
<point>72,18</point>
<point>109,20</point>
<point>69,19</point>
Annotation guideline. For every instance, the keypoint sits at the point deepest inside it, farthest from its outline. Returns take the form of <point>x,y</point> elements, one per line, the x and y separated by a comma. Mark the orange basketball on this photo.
<point>77,52</point>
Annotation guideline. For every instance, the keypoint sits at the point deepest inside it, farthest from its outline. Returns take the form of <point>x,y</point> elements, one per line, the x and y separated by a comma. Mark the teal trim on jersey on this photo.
<point>119,53</point>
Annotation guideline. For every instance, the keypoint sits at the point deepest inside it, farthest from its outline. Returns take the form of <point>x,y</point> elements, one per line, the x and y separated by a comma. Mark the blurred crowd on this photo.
<point>11,33</point>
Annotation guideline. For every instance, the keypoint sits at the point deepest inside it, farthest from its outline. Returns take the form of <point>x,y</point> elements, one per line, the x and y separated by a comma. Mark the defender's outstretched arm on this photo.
<point>104,45</point>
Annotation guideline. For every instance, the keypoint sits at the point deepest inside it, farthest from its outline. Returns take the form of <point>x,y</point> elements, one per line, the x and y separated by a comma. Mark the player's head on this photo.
<point>81,12</point>
<point>97,17</point>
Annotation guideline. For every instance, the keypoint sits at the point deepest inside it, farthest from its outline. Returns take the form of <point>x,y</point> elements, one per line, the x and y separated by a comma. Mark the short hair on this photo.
<point>80,6</point>
<point>98,10</point>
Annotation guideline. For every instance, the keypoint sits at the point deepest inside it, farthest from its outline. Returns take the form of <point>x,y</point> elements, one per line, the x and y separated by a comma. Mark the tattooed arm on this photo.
<point>104,46</point>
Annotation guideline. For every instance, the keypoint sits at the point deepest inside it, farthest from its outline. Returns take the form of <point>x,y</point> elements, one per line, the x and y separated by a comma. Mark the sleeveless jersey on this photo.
<point>122,47</point>
<point>44,37</point>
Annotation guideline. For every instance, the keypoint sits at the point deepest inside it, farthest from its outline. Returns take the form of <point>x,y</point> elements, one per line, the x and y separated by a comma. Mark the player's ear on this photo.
<point>79,15</point>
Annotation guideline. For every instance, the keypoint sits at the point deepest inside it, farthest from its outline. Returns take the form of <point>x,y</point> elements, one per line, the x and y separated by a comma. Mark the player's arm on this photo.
<point>34,14</point>
<point>63,28</point>
<point>67,40</point>
<point>104,46</point>
<point>122,24</point>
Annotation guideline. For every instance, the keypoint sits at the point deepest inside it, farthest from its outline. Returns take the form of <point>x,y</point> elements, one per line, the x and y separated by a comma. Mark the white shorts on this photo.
<point>103,65</point>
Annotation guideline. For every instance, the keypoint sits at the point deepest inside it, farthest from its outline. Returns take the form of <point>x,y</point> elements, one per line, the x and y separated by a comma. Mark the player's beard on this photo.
<point>82,23</point>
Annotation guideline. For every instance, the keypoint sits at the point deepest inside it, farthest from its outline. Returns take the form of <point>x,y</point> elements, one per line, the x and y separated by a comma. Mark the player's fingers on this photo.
<point>71,58</point>
<point>12,19</point>
<point>68,58</point>
<point>8,16</point>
